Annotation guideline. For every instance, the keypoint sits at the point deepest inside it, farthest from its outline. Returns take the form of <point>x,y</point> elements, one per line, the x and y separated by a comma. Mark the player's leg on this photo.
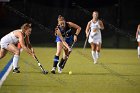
<point>98,42</point>
<point>62,63</point>
<point>98,48</point>
<point>65,53</point>
<point>138,49</point>
<point>56,57</point>
<point>2,53</point>
<point>12,48</point>
<point>63,60</point>
<point>3,50</point>
<point>93,47</point>
<point>93,52</point>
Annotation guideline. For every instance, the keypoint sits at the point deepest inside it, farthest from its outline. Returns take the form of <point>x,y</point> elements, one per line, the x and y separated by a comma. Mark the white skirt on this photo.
<point>95,37</point>
<point>6,40</point>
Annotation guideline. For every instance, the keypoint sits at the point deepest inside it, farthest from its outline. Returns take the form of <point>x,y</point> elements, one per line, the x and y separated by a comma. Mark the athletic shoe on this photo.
<point>59,69</point>
<point>95,61</point>
<point>53,70</point>
<point>16,70</point>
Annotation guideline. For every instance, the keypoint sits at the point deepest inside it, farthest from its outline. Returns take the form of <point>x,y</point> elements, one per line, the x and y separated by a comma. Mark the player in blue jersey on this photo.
<point>64,38</point>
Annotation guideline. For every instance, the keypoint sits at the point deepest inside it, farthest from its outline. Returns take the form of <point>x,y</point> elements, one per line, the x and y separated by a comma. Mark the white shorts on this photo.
<point>138,39</point>
<point>95,38</point>
<point>4,42</point>
<point>8,39</point>
<point>4,45</point>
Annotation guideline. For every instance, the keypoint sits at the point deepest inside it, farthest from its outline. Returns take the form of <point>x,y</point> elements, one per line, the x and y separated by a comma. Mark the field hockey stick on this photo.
<point>41,67</point>
<point>86,39</point>
<point>67,56</point>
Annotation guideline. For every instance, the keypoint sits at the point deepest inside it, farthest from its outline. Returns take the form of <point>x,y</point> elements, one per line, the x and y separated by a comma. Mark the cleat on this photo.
<point>53,71</point>
<point>95,61</point>
<point>16,70</point>
<point>59,69</point>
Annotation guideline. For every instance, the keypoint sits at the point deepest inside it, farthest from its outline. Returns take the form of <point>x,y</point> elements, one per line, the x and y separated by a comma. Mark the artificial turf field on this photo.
<point>118,71</point>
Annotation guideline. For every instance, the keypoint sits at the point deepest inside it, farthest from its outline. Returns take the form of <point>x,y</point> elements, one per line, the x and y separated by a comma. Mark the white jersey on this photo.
<point>138,39</point>
<point>9,39</point>
<point>95,33</point>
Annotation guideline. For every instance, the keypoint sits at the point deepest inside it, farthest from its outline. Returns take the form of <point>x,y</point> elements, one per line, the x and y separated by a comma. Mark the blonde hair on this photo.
<point>26,26</point>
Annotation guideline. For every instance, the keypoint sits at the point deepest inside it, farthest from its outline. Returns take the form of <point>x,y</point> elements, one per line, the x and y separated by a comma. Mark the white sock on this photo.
<point>15,61</point>
<point>93,55</point>
<point>138,50</point>
<point>97,54</point>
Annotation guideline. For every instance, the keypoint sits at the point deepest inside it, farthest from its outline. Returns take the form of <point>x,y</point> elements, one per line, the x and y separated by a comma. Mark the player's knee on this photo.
<point>17,52</point>
<point>1,56</point>
<point>98,50</point>
<point>139,44</point>
<point>93,49</point>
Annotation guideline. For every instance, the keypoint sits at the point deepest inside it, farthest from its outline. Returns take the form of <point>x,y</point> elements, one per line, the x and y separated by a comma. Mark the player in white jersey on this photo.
<point>138,39</point>
<point>9,42</point>
<point>93,32</point>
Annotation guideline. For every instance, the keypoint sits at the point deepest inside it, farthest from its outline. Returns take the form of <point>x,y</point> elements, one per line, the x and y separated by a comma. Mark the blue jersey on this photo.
<point>66,34</point>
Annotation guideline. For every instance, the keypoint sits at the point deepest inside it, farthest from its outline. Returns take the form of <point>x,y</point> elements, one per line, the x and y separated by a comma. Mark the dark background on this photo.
<point>120,18</point>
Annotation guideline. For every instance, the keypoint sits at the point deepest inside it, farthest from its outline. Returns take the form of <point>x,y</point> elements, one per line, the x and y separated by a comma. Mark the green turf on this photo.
<point>118,71</point>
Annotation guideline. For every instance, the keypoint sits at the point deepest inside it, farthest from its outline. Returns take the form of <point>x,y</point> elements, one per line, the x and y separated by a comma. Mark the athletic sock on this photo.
<point>56,59</point>
<point>61,62</point>
<point>93,53</point>
<point>97,54</point>
<point>15,61</point>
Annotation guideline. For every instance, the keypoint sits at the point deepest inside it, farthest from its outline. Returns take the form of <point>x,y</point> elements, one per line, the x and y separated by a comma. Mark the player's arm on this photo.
<point>27,40</point>
<point>75,26</point>
<point>22,43</point>
<point>78,29</point>
<point>101,25</point>
<point>138,28</point>
<point>62,39</point>
<point>87,29</point>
